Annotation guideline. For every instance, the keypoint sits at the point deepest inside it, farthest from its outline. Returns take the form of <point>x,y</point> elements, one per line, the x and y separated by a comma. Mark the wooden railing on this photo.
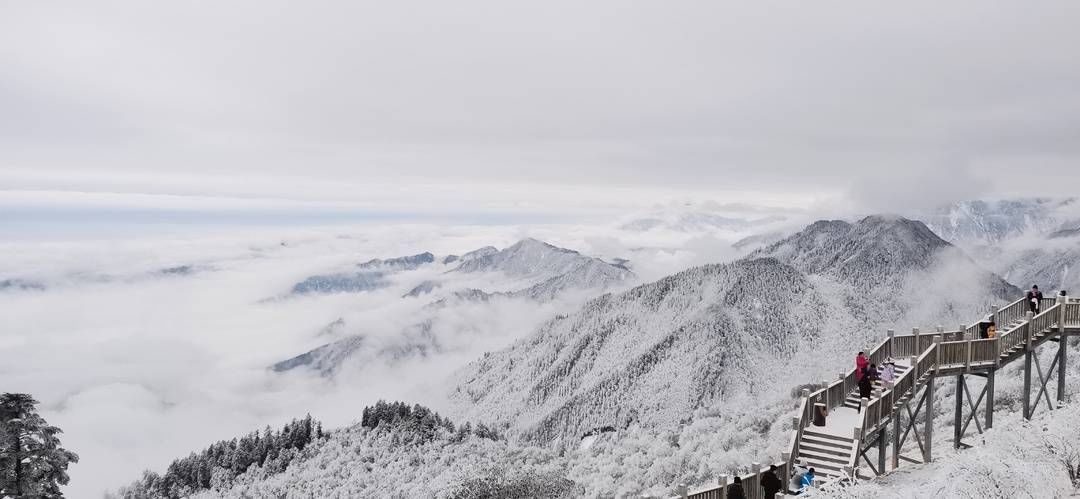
<point>1072,314</point>
<point>751,483</point>
<point>903,346</point>
<point>1012,338</point>
<point>1046,319</point>
<point>1011,313</point>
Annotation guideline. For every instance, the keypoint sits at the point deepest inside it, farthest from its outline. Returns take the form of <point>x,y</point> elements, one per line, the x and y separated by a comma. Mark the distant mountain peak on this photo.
<point>872,250</point>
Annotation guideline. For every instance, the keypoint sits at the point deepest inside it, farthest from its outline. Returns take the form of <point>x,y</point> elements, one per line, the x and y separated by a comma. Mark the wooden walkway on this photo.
<point>857,435</point>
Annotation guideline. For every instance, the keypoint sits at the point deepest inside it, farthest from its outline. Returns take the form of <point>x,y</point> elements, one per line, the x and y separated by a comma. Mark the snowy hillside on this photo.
<point>723,343</point>
<point>1016,458</point>
<point>532,258</point>
<point>983,222</point>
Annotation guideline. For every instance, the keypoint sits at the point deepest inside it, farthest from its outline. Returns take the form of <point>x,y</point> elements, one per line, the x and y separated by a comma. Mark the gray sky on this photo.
<point>494,104</point>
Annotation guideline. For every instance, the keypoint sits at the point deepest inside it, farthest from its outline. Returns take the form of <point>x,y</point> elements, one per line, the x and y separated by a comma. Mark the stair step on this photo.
<point>825,467</point>
<point>826,436</point>
<point>823,457</point>
<point>837,453</point>
<point>823,443</point>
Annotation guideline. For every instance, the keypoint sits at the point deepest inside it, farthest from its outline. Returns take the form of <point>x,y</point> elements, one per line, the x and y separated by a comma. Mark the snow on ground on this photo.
<point>1015,459</point>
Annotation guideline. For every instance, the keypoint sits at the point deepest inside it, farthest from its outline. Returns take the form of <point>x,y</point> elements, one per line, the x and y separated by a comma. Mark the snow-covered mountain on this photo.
<point>1052,263</point>
<point>688,376</point>
<point>411,262</point>
<point>655,354</point>
<point>530,257</point>
<point>369,276</point>
<point>1027,241</point>
<point>987,222</point>
<point>528,270</point>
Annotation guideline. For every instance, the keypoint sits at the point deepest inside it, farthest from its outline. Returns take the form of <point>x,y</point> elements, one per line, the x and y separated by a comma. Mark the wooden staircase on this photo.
<point>827,454</point>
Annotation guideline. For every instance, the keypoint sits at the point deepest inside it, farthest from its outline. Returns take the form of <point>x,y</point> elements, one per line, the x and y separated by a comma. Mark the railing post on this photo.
<point>755,480</point>
<point>1062,301</point>
<point>940,329</point>
<point>1027,328</point>
<point>967,363</point>
<point>1063,347</point>
<point>682,490</point>
<point>785,468</point>
<point>914,361</point>
<point>723,486</point>
<point>892,340</point>
<point>826,392</point>
<point>915,333</point>
<point>937,353</point>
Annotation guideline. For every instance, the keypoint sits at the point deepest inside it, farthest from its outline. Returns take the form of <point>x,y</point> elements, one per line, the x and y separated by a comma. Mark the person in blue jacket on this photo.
<point>807,480</point>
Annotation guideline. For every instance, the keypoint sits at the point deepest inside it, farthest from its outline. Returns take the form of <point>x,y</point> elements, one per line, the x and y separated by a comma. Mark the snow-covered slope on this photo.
<point>653,355</point>
<point>1014,459</point>
<point>981,222</point>
<point>530,257</point>
<point>1052,263</point>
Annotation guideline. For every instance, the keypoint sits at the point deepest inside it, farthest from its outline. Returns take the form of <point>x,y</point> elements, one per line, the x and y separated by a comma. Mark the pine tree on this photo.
<point>32,463</point>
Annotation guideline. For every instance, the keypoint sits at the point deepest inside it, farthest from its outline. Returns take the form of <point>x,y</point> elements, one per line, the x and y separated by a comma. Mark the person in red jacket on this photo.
<point>860,365</point>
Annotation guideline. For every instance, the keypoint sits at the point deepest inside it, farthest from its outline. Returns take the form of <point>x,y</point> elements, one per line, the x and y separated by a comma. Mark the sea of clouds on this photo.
<point>140,363</point>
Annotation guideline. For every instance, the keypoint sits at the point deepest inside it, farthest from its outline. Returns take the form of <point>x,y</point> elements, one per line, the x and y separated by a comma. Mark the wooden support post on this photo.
<point>826,392</point>
<point>882,444</point>
<point>1027,384</point>
<point>940,329</point>
<point>958,416</point>
<point>723,482</point>
<point>896,438</point>
<point>929,416</point>
<point>892,341</point>
<point>682,490</point>
<point>915,333</point>
<point>1063,343</point>
<point>1063,351</point>
<point>990,398</point>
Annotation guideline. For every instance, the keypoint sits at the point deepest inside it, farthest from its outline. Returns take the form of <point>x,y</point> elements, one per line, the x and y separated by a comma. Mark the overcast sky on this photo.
<point>535,107</point>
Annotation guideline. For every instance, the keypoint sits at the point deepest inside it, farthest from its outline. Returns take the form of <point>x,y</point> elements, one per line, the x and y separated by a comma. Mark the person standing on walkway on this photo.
<point>1034,297</point>
<point>735,490</point>
<point>866,385</point>
<point>888,374</point>
<point>771,483</point>
<point>860,365</point>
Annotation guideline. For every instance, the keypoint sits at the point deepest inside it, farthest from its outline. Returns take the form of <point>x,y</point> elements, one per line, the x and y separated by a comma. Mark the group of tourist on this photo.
<point>801,478</point>
<point>866,373</point>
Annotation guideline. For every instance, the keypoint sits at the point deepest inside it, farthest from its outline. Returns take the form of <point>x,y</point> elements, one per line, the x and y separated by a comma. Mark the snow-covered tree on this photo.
<point>32,462</point>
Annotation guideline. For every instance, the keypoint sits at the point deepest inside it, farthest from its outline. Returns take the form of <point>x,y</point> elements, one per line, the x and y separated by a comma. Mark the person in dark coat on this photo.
<point>866,386</point>
<point>735,491</point>
<point>1034,297</point>
<point>771,483</point>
